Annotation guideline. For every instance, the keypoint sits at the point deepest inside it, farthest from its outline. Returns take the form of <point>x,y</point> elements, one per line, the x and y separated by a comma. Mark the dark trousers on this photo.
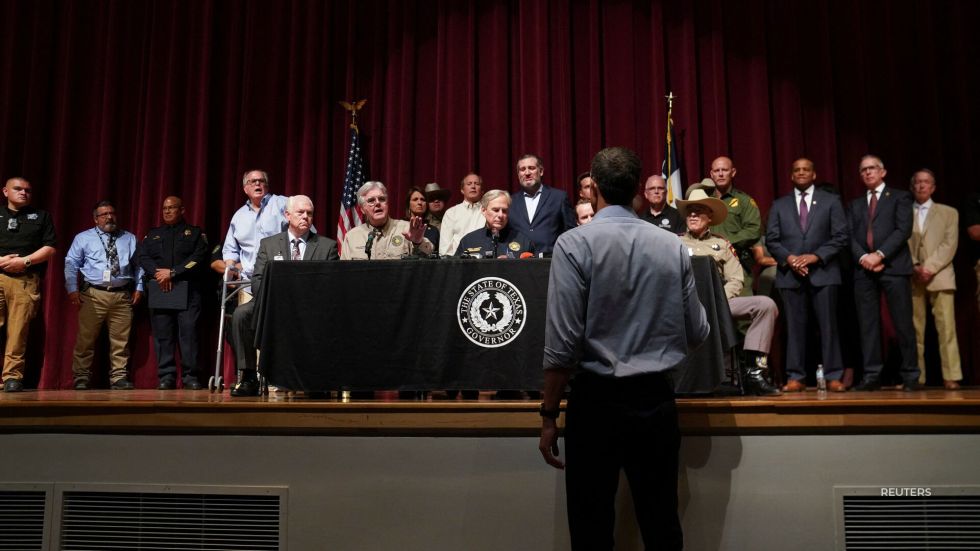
<point>243,336</point>
<point>898,293</point>
<point>796,307</point>
<point>180,326</point>
<point>628,424</point>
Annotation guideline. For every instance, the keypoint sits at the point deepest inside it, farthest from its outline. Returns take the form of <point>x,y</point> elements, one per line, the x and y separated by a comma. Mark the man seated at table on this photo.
<point>380,237</point>
<point>496,239</point>
<point>700,212</point>
<point>297,243</point>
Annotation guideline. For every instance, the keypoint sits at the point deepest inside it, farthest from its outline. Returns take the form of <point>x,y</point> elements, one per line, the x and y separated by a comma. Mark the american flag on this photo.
<point>350,213</point>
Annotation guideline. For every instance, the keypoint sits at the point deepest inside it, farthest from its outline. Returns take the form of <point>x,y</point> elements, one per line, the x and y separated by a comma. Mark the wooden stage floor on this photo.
<point>199,412</point>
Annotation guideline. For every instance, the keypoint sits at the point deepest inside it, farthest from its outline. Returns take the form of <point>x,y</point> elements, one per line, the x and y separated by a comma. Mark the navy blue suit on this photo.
<point>892,227</point>
<point>552,217</point>
<point>825,236</point>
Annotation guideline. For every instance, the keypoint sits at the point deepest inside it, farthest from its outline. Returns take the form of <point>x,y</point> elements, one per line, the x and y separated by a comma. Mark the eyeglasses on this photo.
<point>257,181</point>
<point>864,169</point>
<point>106,214</point>
<point>378,199</point>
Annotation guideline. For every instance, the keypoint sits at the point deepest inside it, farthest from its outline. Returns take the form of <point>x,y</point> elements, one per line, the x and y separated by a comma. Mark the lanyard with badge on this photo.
<point>107,273</point>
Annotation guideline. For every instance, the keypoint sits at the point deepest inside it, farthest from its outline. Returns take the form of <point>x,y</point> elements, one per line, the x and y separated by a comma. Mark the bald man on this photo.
<point>743,225</point>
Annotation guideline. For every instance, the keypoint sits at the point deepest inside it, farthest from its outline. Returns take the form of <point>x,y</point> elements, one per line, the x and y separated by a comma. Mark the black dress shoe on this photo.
<point>122,384</point>
<point>911,386</point>
<point>167,384</point>
<point>868,384</point>
<point>13,385</point>
<point>247,387</point>
<point>193,384</point>
<point>81,385</point>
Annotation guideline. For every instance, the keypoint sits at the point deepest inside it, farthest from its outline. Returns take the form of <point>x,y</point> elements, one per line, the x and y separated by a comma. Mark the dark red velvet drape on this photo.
<point>137,100</point>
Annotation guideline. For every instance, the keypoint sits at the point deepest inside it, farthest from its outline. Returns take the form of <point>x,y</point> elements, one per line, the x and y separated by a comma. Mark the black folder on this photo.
<point>175,299</point>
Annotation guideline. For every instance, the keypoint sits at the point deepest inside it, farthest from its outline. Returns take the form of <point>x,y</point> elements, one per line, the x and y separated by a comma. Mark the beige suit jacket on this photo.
<point>934,246</point>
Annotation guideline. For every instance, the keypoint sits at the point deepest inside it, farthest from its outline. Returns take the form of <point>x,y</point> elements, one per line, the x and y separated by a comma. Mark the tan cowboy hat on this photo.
<point>698,197</point>
<point>434,192</point>
<point>708,185</point>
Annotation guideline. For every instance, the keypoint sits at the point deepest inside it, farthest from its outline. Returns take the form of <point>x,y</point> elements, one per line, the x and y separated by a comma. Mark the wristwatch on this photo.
<point>549,413</point>
<point>27,262</point>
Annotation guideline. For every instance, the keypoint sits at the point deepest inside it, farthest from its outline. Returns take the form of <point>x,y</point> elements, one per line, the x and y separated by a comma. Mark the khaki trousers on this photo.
<point>99,308</point>
<point>762,312</point>
<point>19,300</point>
<point>943,313</point>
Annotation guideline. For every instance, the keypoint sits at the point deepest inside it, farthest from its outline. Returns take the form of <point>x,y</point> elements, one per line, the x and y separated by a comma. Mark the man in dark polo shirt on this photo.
<point>26,243</point>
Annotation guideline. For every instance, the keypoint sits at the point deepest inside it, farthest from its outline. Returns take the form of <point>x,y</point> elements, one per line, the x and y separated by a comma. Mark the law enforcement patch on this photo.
<point>397,240</point>
<point>733,203</point>
<point>514,246</point>
<point>491,312</point>
<point>187,232</point>
<point>32,216</point>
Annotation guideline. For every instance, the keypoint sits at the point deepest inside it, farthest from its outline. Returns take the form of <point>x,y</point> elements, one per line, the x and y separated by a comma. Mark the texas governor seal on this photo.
<point>491,312</point>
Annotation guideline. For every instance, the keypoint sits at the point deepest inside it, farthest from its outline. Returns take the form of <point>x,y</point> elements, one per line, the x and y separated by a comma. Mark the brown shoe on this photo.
<point>951,385</point>
<point>836,386</point>
<point>794,386</point>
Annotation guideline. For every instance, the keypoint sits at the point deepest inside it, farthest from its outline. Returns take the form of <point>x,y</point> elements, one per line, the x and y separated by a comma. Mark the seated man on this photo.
<point>298,242</point>
<point>701,211</point>
<point>381,237</point>
<point>497,239</point>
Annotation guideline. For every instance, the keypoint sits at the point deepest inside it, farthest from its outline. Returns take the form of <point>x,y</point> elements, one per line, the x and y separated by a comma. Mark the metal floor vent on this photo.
<point>22,520</point>
<point>100,520</point>
<point>912,518</point>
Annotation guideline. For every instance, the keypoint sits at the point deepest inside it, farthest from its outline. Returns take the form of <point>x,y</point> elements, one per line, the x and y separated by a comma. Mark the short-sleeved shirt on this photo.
<point>32,230</point>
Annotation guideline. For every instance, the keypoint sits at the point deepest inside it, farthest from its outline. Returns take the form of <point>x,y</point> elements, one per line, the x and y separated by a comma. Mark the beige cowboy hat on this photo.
<point>698,197</point>
<point>434,192</point>
<point>708,185</point>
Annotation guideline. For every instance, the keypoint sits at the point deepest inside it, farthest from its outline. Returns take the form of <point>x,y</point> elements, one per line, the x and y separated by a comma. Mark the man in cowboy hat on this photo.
<point>701,211</point>
<point>436,198</point>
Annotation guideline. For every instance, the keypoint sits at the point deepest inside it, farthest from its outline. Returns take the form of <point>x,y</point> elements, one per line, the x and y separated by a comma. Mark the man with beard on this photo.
<point>540,212</point>
<point>104,282</point>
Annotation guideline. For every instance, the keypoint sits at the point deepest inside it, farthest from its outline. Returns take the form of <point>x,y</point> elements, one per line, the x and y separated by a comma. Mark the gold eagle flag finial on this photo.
<point>353,107</point>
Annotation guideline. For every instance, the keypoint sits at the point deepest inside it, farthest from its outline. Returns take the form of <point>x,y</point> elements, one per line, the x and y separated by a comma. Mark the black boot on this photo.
<point>248,384</point>
<point>754,372</point>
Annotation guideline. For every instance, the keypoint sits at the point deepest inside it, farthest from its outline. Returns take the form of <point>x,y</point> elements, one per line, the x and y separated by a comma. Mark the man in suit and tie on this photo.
<point>540,212</point>
<point>298,242</point>
<point>881,224</point>
<point>806,231</point>
<point>935,236</point>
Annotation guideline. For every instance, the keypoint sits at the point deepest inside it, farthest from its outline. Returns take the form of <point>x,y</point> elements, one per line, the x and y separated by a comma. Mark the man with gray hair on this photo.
<point>381,237</point>
<point>496,239</point>
<point>298,243</point>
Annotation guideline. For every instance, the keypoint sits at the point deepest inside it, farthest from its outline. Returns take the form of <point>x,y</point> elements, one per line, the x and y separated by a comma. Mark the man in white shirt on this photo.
<point>464,217</point>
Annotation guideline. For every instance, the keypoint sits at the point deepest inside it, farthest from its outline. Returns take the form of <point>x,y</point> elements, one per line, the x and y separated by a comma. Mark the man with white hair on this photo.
<point>496,239</point>
<point>298,242</point>
<point>381,237</point>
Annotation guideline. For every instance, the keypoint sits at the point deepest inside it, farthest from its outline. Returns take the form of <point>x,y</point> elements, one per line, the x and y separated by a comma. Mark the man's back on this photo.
<point>636,298</point>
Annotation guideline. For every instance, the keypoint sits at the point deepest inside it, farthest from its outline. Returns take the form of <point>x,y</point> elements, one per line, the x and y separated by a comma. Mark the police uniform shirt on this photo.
<point>722,252</point>
<point>24,232</point>
<point>390,244</point>
<point>180,247</point>
<point>479,243</point>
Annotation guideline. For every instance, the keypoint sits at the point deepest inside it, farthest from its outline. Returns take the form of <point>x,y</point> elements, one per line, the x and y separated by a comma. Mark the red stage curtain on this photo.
<point>133,101</point>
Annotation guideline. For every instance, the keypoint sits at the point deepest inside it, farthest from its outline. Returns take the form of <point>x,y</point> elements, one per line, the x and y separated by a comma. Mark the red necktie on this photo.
<point>872,205</point>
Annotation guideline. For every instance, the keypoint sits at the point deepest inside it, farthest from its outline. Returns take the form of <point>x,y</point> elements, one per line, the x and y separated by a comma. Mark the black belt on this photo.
<point>124,288</point>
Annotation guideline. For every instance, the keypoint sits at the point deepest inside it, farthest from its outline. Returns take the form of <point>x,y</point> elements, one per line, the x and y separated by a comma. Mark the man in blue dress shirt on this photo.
<point>104,282</point>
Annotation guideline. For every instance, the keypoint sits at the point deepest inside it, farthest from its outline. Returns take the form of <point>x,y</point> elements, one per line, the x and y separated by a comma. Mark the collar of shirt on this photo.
<point>614,211</point>
<point>925,205</point>
<point>265,201</point>
<point>472,206</point>
<point>302,238</point>
<point>808,191</point>
<point>534,195</point>
<point>877,190</point>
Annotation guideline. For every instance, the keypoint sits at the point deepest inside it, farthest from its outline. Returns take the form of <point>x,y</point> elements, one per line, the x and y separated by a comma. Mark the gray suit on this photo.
<point>825,235</point>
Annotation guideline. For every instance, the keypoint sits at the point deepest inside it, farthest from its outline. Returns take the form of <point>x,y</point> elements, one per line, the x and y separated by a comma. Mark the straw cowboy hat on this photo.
<point>708,185</point>
<point>698,197</point>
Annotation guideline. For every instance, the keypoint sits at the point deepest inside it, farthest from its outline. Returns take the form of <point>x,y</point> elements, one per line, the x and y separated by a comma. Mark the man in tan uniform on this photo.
<point>935,236</point>
<point>380,237</point>
<point>700,212</point>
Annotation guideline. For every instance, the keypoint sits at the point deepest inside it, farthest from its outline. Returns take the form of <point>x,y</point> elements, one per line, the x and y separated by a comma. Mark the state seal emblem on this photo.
<point>491,312</point>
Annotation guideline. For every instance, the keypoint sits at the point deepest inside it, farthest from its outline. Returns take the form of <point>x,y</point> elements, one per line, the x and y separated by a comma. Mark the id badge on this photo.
<point>278,257</point>
<point>106,276</point>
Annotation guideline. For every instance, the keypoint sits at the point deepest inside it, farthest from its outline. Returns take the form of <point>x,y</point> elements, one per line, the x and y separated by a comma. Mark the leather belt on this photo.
<point>110,289</point>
